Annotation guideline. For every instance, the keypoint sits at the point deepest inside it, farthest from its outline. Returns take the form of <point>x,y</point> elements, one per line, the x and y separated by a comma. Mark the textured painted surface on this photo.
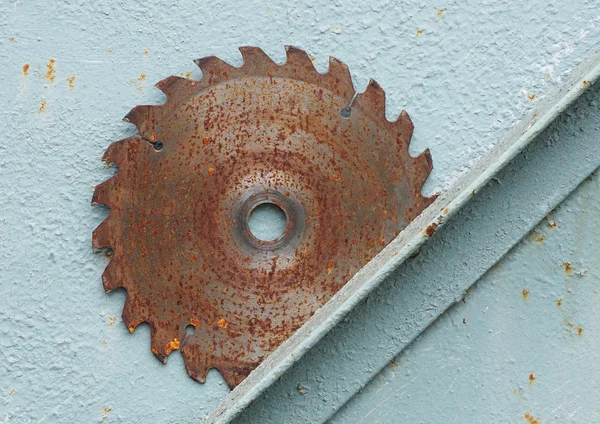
<point>524,343</point>
<point>421,289</point>
<point>70,71</point>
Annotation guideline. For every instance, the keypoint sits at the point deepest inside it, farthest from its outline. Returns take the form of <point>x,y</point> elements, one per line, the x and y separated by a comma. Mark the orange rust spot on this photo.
<point>188,75</point>
<point>430,230</point>
<point>205,140</point>
<point>142,77</point>
<point>329,271</point>
<point>336,177</point>
<point>211,171</point>
<point>445,211</point>
<point>146,51</point>
<point>71,81</point>
<point>531,419</point>
<point>131,329</point>
<point>153,137</point>
<point>568,267</point>
<point>394,363</point>
<point>195,322</point>
<point>222,323</point>
<point>384,214</point>
<point>42,106</point>
<point>382,241</point>
<point>439,12</point>
<point>104,341</point>
<point>531,96</point>
<point>551,224</point>
<point>193,258</point>
<point>419,32</point>
<point>525,293</point>
<point>531,378</point>
<point>105,411</point>
<point>154,350</point>
<point>111,321</point>
<point>51,72</point>
<point>559,303</point>
<point>173,345</point>
<point>26,70</point>
<point>579,331</point>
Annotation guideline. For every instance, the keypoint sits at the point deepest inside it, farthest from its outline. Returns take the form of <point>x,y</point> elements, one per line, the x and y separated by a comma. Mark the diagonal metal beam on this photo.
<point>405,245</point>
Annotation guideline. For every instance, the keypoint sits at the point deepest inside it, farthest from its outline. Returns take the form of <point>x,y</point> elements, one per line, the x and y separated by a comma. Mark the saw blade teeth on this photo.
<point>298,60</point>
<point>102,236</point>
<point>256,58</point>
<point>404,127</point>
<point>165,339</point>
<point>372,99</point>
<point>215,70</point>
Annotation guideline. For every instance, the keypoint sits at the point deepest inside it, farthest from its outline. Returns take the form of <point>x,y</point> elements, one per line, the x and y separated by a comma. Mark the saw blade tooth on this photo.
<point>133,314</point>
<point>421,168</point>
<point>298,61</point>
<point>172,84</point>
<point>255,58</point>
<point>111,276</point>
<point>144,118</point>
<point>373,99</point>
<point>196,360</point>
<point>165,338</point>
<point>215,70</point>
<point>102,236</point>
<point>404,129</point>
<point>103,191</point>
<point>339,75</point>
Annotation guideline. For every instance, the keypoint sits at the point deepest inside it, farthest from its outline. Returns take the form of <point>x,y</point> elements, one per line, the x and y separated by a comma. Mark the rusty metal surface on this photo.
<point>219,147</point>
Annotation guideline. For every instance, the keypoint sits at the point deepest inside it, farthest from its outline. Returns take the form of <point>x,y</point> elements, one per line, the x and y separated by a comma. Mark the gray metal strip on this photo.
<point>405,245</point>
<point>421,289</point>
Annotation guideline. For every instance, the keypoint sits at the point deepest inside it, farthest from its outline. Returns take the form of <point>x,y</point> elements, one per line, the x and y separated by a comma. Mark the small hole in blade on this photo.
<point>267,221</point>
<point>345,112</point>
<point>157,146</point>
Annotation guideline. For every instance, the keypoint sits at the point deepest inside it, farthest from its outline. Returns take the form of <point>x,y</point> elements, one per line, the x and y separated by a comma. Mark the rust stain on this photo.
<point>439,12</point>
<point>188,232</point>
<point>12,392</point>
<point>568,267</point>
<point>105,411</point>
<point>558,303</point>
<point>446,211</point>
<point>430,230</point>
<point>42,107</point>
<point>531,96</point>
<point>71,81</point>
<point>579,331</point>
<point>531,378</point>
<point>419,32</point>
<point>146,52</point>
<point>531,419</point>
<point>173,345</point>
<point>11,39</point>
<point>104,341</point>
<point>525,293</point>
<point>111,321</point>
<point>51,72</point>
<point>336,177</point>
<point>142,77</point>
<point>26,70</point>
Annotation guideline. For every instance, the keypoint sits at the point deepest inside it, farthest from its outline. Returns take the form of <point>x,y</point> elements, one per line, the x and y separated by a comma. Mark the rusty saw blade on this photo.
<point>217,149</point>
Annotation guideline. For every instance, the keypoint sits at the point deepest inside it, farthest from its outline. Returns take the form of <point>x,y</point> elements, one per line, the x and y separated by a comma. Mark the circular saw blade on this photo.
<point>218,148</point>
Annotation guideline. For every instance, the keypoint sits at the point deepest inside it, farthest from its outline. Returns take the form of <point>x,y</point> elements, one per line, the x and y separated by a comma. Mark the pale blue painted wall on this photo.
<point>65,355</point>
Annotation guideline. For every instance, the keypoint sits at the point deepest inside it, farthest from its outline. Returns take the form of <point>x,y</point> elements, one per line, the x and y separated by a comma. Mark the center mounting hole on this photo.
<point>267,221</point>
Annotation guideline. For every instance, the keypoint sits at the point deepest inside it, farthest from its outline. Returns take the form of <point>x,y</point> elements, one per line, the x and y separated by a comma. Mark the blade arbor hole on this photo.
<point>267,221</point>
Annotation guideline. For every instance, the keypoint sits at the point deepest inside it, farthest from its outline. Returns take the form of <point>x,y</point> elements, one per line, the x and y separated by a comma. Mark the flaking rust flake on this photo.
<point>218,147</point>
